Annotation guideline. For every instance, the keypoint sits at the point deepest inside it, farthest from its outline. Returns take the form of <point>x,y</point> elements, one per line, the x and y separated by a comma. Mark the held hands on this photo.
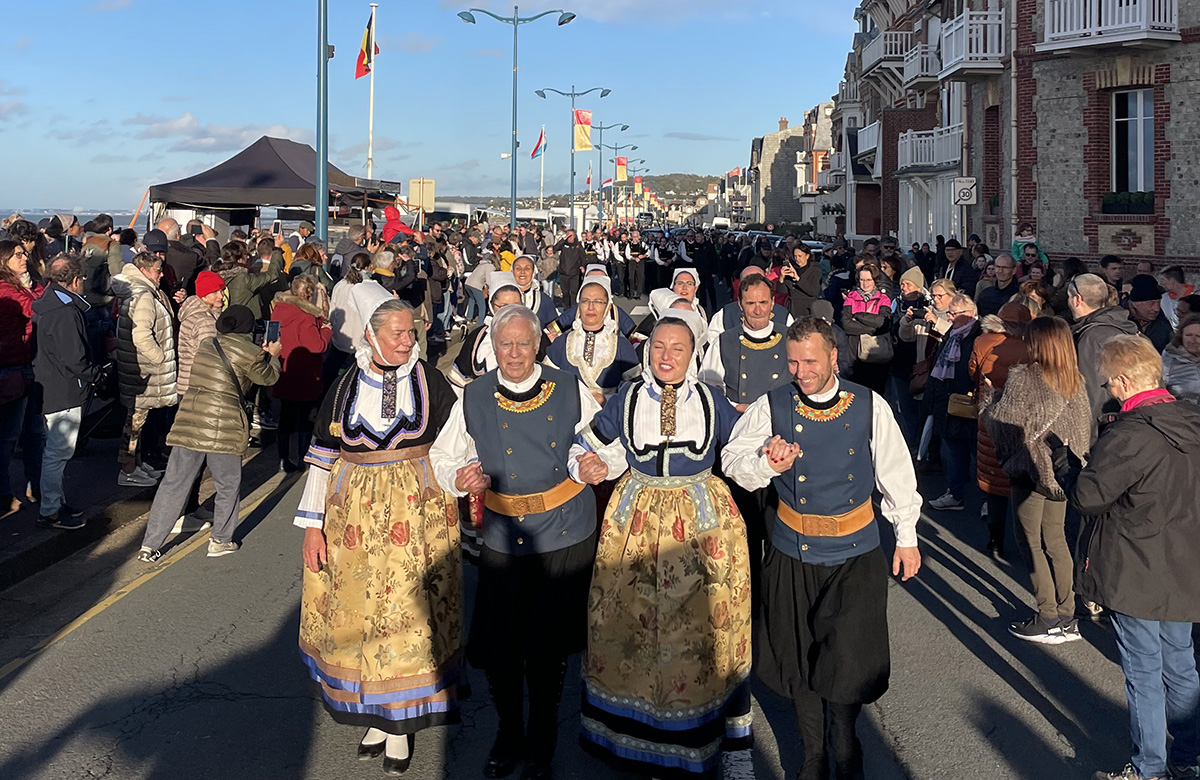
<point>780,454</point>
<point>592,469</point>
<point>471,479</point>
<point>906,560</point>
<point>313,550</point>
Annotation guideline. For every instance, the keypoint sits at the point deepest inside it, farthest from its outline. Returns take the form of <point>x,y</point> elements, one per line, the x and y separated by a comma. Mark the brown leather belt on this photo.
<point>376,457</point>
<point>532,503</point>
<point>827,525</point>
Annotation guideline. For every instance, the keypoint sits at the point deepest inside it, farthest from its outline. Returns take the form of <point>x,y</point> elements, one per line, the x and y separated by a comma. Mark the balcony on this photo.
<point>837,162</point>
<point>832,177</point>
<point>801,190</point>
<point>973,44</point>
<point>921,65</point>
<point>847,92</point>
<point>939,148</point>
<point>868,139</point>
<point>886,48</point>
<point>1077,23</point>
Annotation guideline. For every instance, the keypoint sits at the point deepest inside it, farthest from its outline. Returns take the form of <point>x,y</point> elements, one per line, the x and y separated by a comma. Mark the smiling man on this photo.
<point>826,445</point>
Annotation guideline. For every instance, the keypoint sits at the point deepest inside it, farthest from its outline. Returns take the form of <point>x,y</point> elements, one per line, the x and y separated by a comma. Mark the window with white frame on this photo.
<point>1133,141</point>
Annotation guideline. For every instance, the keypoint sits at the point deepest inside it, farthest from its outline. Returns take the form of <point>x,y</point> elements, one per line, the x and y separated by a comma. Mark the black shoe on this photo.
<point>538,770</point>
<point>501,761</point>
<point>367,752</point>
<point>995,549</point>
<point>65,522</point>
<point>398,766</point>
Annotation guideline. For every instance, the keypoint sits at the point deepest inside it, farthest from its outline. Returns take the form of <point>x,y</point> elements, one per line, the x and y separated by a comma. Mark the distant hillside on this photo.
<point>679,183</point>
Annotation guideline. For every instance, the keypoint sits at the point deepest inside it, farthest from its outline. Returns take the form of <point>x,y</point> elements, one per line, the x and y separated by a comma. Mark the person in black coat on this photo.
<point>951,375</point>
<point>1140,543</point>
<point>62,365</point>
<point>1145,310</point>
<point>801,279</point>
<point>571,261</point>
<point>959,268</point>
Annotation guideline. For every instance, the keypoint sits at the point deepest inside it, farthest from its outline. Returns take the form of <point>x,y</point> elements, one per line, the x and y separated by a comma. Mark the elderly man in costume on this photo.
<point>508,438</point>
<point>593,349</point>
<point>524,271</point>
<point>826,445</point>
<point>381,613</point>
<point>729,315</point>
<point>668,659</point>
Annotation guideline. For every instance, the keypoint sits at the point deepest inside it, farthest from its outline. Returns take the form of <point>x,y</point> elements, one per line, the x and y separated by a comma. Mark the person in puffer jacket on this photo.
<point>1181,361</point>
<point>146,359</point>
<point>198,322</point>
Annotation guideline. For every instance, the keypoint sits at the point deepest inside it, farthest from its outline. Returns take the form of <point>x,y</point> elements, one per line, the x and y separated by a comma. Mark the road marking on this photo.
<point>177,555</point>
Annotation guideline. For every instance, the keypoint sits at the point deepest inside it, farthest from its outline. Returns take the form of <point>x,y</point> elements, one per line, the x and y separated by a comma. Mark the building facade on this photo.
<point>1070,115</point>
<point>772,174</point>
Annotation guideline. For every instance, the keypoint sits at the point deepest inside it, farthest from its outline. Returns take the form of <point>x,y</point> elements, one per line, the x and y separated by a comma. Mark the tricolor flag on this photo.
<point>366,55</point>
<point>583,130</point>
<point>540,146</point>
<point>606,184</point>
<point>622,169</point>
<point>589,178</point>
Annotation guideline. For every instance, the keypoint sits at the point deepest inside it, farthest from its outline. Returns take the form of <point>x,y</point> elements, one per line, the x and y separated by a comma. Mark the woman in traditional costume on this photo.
<point>593,349</point>
<point>381,625</point>
<point>666,671</point>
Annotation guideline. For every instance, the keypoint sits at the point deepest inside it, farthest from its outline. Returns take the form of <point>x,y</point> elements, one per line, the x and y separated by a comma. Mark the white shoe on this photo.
<point>947,503</point>
<point>149,471</point>
<point>135,479</point>
<point>189,523</point>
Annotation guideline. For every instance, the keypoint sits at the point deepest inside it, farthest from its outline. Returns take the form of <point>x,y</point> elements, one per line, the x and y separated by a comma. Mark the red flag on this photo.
<point>366,55</point>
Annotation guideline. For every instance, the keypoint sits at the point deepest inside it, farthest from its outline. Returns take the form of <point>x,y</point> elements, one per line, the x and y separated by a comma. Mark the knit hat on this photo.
<point>1144,287</point>
<point>310,227</point>
<point>208,282</point>
<point>822,310</point>
<point>1015,312</point>
<point>236,319</point>
<point>914,276</point>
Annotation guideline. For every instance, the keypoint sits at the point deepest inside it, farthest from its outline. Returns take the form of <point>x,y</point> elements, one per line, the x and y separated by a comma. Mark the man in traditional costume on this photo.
<point>826,445</point>
<point>381,611</point>
<point>668,659</point>
<point>729,315</point>
<point>508,438</point>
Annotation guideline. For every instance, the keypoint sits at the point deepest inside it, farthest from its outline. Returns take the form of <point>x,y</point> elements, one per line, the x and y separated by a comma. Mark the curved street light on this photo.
<point>604,92</point>
<point>516,20</point>
<point>620,128</point>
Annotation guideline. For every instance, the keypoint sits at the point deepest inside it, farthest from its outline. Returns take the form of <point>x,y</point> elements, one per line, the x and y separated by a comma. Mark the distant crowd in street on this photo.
<point>644,489</point>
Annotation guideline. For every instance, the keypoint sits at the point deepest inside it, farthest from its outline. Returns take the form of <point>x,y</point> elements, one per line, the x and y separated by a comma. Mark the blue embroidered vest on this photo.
<point>834,473</point>
<point>753,366</point>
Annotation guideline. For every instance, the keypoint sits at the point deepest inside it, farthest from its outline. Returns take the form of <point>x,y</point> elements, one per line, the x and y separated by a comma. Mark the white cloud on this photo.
<point>103,6</point>
<point>197,137</point>
<point>12,108</point>
<point>5,89</point>
<point>100,159</point>
<point>382,144</point>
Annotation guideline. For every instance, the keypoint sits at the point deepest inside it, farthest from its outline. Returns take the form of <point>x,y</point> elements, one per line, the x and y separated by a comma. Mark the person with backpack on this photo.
<point>212,425</point>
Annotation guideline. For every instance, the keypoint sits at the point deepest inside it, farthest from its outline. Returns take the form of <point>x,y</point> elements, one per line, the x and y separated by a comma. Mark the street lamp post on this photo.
<point>516,20</point>
<point>634,172</point>
<point>573,94</point>
<point>614,149</point>
<point>321,204</point>
<point>600,155</point>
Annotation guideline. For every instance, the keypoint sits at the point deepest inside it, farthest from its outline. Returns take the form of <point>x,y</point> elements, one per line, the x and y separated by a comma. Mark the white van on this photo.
<point>721,223</point>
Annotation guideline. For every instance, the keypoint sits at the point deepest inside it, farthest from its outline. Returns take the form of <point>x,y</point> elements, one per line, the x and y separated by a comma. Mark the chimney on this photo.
<point>783,123</point>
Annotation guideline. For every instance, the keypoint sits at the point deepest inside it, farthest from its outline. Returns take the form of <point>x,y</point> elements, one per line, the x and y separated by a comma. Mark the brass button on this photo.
<point>505,424</point>
<point>743,376</point>
<point>743,357</point>
<point>743,394</point>
<point>802,478</point>
<point>800,454</point>
<point>851,451</point>
<point>803,500</point>
<point>520,541</point>
<point>847,426</point>
<point>774,376</point>
<point>495,395</point>
<point>514,476</point>
<point>553,444</point>
<point>852,501</point>
<point>804,547</point>
<point>799,427</point>
<point>564,533</point>
<point>775,356</point>
<point>850,477</point>
<point>509,450</point>
<point>550,417</point>
<point>521,519</point>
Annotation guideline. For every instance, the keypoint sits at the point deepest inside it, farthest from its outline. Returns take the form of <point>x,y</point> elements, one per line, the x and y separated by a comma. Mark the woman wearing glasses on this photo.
<point>951,376</point>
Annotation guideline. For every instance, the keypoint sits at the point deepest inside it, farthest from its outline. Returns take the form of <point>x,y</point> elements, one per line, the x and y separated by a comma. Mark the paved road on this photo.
<point>189,670</point>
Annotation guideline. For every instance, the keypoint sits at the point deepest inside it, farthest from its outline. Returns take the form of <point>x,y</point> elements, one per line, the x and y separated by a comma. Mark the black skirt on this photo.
<point>824,628</point>
<point>530,607</point>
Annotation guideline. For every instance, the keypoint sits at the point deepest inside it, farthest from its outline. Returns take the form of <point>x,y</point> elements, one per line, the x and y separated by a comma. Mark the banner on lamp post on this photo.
<point>583,130</point>
<point>622,169</point>
<point>637,185</point>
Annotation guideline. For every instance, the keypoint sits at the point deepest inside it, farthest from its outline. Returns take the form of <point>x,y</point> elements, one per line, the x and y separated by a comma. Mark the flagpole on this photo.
<point>371,109</point>
<point>542,183</point>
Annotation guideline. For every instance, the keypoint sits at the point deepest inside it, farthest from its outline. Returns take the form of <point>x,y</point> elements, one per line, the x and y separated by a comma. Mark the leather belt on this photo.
<point>827,525</point>
<point>378,457</point>
<point>532,503</point>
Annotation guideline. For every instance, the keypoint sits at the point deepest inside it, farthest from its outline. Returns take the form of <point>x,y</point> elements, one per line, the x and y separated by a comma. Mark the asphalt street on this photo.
<point>189,669</point>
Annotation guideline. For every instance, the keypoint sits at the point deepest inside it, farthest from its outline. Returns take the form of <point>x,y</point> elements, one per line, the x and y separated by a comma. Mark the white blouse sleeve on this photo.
<point>452,449</point>
<point>712,369</point>
<point>311,512</point>
<point>742,458</point>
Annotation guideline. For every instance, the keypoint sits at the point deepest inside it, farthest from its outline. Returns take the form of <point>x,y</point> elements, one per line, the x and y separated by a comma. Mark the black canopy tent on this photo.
<point>269,172</point>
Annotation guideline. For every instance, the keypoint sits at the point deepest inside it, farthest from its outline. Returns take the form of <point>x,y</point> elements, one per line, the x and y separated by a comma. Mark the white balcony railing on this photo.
<point>1090,22</point>
<point>807,188</point>
<point>890,46</point>
<point>921,63</point>
<point>974,40</point>
<point>868,138</point>
<point>942,146</point>
<point>848,92</point>
<point>837,162</point>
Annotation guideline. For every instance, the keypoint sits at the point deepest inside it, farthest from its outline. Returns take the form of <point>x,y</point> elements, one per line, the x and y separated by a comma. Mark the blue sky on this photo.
<point>120,94</point>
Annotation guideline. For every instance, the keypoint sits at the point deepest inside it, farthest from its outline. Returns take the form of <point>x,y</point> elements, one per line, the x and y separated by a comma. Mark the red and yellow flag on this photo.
<point>622,169</point>
<point>366,55</point>
<point>637,185</point>
<point>583,130</point>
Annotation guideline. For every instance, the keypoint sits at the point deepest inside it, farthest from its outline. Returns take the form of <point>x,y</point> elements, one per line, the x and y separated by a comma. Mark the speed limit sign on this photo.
<point>966,191</point>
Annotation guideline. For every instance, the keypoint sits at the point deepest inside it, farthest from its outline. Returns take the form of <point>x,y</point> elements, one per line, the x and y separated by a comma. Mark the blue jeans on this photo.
<point>475,306</point>
<point>62,431</point>
<point>1162,691</point>
<point>957,455</point>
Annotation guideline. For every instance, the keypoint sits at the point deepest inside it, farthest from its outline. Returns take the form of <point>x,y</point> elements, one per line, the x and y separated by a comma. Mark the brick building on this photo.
<point>1071,114</point>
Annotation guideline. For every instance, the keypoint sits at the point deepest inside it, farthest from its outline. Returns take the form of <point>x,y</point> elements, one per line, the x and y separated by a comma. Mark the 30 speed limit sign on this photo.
<point>966,191</point>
